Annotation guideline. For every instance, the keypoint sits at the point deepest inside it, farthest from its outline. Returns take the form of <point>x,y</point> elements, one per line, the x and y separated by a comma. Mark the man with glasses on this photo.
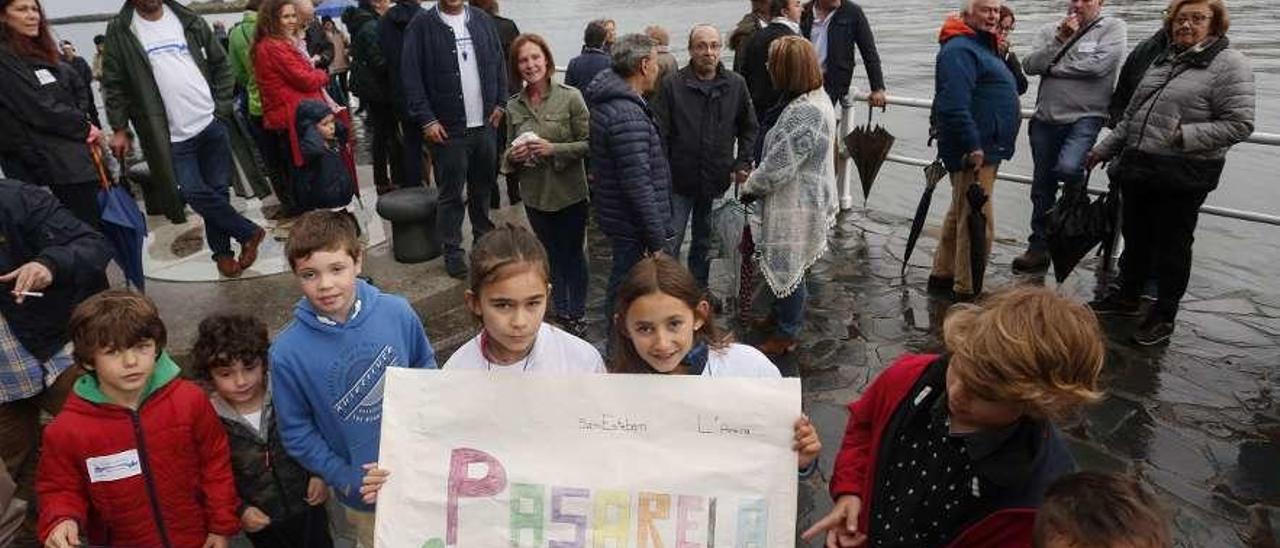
<point>1077,59</point>
<point>701,111</point>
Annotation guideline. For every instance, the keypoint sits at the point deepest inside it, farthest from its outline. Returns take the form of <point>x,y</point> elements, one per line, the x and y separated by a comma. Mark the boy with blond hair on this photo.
<point>958,449</point>
<point>137,456</point>
<point>328,365</point>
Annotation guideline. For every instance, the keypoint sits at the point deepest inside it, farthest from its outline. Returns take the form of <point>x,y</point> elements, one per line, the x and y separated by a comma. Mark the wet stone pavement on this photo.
<point>1197,421</point>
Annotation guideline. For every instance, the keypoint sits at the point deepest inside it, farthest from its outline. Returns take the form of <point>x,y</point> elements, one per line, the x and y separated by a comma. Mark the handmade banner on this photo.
<point>601,461</point>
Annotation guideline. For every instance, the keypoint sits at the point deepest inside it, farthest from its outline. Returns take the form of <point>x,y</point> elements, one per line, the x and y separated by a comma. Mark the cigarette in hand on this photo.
<point>31,293</point>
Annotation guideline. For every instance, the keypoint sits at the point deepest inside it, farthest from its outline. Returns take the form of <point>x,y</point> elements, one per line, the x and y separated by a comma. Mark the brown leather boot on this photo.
<point>1031,262</point>
<point>249,249</point>
<point>228,266</point>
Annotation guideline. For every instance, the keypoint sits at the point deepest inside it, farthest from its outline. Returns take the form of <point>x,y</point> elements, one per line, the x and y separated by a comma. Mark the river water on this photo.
<point>1229,253</point>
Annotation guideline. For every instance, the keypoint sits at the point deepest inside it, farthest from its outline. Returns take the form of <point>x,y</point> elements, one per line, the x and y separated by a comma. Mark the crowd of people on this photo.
<point>954,449</point>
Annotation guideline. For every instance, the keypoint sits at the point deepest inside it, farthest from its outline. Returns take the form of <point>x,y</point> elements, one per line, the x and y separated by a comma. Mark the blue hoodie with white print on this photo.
<point>327,383</point>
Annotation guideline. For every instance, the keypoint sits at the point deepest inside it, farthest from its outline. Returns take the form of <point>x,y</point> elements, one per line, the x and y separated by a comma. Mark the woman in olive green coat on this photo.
<point>548,123</point>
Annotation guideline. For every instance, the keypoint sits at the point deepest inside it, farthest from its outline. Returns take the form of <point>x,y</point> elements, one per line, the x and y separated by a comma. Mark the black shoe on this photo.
<point>1031,262</point>
<point>455,266</point>
<point>1115,305</point>
<point>1154,330</point>
<point>939,285</point>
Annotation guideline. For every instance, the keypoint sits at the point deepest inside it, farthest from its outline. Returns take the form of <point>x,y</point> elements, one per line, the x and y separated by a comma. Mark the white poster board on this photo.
<point>614,461</point>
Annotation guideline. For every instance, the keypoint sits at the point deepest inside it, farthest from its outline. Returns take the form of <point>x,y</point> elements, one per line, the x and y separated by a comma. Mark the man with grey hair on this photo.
<point>1077,59</point>
<point>632,181</point>
<point>702,110</point>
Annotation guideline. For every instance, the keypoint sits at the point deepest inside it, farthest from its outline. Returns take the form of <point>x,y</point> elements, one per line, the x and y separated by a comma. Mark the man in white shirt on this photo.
<point>837,28</point>
<point>455,85</point>
<point>180,76</point>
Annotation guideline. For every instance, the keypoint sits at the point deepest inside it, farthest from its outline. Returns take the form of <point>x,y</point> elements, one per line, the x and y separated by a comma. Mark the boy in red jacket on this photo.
<point>958,449</point>
<point>137,457</point>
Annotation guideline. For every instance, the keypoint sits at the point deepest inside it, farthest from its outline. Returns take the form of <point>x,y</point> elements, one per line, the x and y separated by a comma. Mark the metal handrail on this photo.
<point>1259,138</point>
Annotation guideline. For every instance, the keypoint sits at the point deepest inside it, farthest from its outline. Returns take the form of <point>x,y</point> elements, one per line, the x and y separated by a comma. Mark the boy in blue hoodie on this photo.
<point>328,365</point>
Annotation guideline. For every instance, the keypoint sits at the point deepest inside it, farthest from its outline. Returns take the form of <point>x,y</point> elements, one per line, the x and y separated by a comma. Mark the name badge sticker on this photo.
<point>114,467</point>
<point>1087,47</point>
<point>45,77</point>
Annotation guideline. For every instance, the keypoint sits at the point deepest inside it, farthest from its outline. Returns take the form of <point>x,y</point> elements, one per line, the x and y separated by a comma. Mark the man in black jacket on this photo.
<point>49,262</point>
<point>701,110</point>
<point>455,85</point>
<point>370,81</point>
<point>391,29</point>
<point>632,179</point>
<point>318,45</point>
<point>837,28</point>
<point>85,72</point>
<point>785,22</point>
<point>593,60</point>
<point>507,33</point>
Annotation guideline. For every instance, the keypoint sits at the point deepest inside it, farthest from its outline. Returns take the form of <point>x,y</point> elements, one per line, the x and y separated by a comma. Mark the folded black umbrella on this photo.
<point>933,173</point>
<point>1076,225</point>
<point>977,223</point>
<point>869,147</point>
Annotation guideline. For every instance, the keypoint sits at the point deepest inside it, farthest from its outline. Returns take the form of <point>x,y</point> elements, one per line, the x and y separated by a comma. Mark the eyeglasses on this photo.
<point>1193,19</point>
<point>701,48</point>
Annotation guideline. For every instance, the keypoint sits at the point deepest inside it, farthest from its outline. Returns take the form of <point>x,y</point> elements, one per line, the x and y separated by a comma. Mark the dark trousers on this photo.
<point>1058,151</point>
<point>82,200</point>
<point>203,167</point>
<point>789,310</point>
<point>310,529</point>
<point>697,209</point>
<point>411,170</point>
<point>385,145</point>
<point>563,233</point>
<point>1159,229</point>
<point>626,253</point>
<point>272,146</point>
<point>464,159</point>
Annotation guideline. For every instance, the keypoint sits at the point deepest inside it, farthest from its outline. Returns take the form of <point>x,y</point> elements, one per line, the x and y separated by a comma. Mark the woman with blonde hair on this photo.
<point>958,449</point>
<point>795,183</point>
<point>1194,103</point>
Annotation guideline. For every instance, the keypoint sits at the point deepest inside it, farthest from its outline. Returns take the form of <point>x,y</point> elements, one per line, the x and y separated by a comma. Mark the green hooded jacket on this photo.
<point>166,370</point>
<point>131,95</point>
<point>240,48</point>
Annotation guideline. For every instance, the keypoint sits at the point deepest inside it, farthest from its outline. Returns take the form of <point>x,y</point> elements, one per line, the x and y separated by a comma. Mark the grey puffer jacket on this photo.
<point>1206,92</point>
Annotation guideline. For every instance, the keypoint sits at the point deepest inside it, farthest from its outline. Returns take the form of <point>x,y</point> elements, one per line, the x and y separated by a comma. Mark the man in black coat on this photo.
<point>85,72</point>
<point>593,60</point>
<point>701,111</point>
<point>631,177</point>
<point>455,85</point>
<point>318,45</point>
<point>391,29</point>
<point>785,22</point>
<point>370,81</point>
<point>507,33</point>
<point>837,28</point>
<point>49,262</point>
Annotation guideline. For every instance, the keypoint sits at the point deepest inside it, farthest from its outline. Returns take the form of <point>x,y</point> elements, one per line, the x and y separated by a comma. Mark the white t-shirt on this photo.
<point>468,68</point>
<point>188,102</point>
<point>740,360</point>
<point>554,351</point>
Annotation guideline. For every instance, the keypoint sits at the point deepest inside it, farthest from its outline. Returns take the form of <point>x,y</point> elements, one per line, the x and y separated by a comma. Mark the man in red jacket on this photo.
<point>958,450</point>
<point>137,457</point>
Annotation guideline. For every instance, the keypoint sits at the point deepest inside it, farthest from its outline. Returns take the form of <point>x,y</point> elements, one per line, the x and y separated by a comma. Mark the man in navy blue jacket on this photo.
<point>391,30</point>
<point>837,28</point>
<point>454,85</point>
<point>593,60</point>
<point>632,180</point>
<point>976,115</point>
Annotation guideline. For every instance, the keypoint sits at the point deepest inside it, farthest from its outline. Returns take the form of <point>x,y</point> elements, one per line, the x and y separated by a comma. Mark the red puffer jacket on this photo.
<point>285,79</point>
<point>160,476</point>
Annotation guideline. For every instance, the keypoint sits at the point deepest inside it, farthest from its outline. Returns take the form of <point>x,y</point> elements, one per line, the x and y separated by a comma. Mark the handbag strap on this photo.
<point>1072,42</point>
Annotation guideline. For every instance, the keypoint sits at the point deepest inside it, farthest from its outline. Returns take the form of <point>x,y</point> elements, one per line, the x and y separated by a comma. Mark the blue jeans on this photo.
<point>789,310</point>
<point>1058,151</point>
<point>203,167</point>
<point>464,159</point>
<point>562,233</point>
<point>626,253</point>
<point>683,207</point>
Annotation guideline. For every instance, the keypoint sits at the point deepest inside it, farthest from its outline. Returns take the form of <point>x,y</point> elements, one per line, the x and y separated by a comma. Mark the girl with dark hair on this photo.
<point>45,131</point>
<point>664,326</point>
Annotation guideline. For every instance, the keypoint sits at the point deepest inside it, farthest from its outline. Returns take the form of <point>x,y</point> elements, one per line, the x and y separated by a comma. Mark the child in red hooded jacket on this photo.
<point>958,449</point>
<point>137,457</point>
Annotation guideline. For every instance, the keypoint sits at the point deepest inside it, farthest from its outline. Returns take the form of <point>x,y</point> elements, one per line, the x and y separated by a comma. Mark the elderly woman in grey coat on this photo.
<point>1195,102</point>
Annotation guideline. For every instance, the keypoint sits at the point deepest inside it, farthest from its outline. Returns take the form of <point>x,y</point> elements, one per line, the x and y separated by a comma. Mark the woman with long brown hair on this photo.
<point>45,133</point>
<point>286,78</point>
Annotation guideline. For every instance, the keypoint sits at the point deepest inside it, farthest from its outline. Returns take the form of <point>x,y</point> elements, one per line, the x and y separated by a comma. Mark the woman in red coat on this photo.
<point>285,75</point>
